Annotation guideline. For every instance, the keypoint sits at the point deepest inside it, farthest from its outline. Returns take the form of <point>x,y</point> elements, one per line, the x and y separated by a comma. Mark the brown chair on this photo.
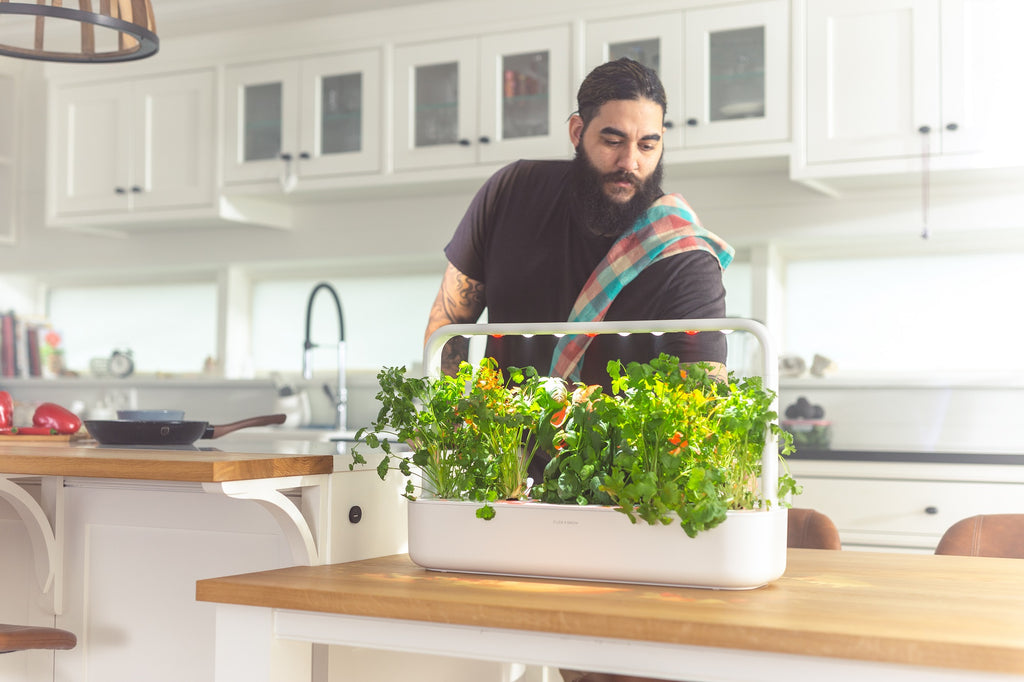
<point>995,535</point>
<point>809,529</point>
<point>24,637</point>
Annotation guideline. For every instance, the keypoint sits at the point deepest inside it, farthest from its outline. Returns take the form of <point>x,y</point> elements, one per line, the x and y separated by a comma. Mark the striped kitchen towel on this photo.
<point>668,227</point>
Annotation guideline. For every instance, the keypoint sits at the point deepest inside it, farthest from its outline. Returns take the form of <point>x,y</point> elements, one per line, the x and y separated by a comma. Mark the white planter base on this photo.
<point>534,539</point>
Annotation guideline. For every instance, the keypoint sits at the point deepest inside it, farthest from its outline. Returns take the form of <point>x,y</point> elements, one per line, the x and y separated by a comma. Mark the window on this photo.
<point>168,327</point>
<point>927,314</point>
<point>385,318</point>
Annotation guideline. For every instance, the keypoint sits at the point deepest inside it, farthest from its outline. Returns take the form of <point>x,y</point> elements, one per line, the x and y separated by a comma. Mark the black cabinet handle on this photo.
<point>484,139</point>
<point>119,190</point>
<point>951,126</point>
<point>464,142</point>
<point>285,156</point>
<point>669,124</point>
<point>924,130</point>
<point>931,510</point>
<point>304,156</point>
<point>136,189</point>
<point>691,121</point>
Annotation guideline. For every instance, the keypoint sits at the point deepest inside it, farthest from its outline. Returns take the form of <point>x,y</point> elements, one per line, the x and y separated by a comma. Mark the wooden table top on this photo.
<point>202,464</point>
<point>940,611</point>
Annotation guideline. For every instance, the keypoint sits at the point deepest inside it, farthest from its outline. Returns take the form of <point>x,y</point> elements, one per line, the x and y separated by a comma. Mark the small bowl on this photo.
<point>151,415</point>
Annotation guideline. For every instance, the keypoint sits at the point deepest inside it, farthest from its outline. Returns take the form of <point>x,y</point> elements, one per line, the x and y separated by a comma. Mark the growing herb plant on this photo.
<point>472,435</point>
<point>668,444</point>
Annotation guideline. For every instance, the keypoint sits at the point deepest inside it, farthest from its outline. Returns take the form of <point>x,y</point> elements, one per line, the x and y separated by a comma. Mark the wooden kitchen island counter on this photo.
<point>198,464</point>
<point>833,615</point>
<point>98,539</point>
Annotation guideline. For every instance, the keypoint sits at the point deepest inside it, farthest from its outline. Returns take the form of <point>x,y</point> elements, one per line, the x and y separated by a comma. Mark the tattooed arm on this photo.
<point>459,301</point>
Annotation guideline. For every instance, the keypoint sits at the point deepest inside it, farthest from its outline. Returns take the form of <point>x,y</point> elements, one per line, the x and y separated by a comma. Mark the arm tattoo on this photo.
<point>460,301</point>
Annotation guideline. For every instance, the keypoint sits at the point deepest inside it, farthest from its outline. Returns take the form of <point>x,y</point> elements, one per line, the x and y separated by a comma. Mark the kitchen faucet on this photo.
<point>340,396</point>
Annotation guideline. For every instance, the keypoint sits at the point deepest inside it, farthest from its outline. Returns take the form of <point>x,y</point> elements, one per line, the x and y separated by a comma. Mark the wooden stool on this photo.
<point>23,637</point>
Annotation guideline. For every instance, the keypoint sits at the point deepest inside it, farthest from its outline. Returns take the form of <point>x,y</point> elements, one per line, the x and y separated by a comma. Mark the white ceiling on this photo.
<point>187,17</point>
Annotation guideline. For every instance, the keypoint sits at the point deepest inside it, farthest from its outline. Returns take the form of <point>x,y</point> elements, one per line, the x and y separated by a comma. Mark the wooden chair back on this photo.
<point>810,529</point>
<point>993,535</point>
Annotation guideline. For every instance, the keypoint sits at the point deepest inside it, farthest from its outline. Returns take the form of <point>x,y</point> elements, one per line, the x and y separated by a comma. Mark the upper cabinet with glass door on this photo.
<point>482,100</point>
<point>311,117</point>
<point>725,69</point>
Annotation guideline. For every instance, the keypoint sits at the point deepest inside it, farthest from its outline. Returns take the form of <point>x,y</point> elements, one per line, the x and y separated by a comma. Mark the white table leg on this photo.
<point>248,651</point>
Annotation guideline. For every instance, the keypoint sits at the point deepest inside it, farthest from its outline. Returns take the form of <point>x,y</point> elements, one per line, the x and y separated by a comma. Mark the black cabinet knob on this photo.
<point>669,124</point>
<point>951,126</point>
<point>924,130</point>
<point>691,121</point>
<point>484,139</point>
<point>304,156</point>
<point>931,510</point>
<point>119,190</point>
<point>464,142</point>
<point>355,514</point>
<point>285,156</point>
<point>136,189</point>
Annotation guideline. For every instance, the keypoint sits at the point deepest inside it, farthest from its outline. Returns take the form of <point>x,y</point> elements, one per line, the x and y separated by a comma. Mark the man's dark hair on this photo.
<point>621,79</point>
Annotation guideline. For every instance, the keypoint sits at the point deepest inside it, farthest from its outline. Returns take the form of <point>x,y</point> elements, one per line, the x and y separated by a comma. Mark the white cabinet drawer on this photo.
<point>912,513</point>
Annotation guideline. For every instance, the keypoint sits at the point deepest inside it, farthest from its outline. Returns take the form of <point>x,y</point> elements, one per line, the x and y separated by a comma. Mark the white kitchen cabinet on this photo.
<point>490,99</point>
<point>311,117</point>
<point>725,69</point>
<point>904,506</point>
<point>899,79</point>
<point>133,147</point>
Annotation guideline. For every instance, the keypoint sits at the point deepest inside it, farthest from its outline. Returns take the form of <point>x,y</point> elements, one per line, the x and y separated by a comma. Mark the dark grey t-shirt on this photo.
<point>521,238</point>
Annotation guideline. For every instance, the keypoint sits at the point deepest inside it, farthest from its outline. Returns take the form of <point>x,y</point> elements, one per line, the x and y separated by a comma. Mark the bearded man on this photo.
<point>538,234</point>
<point>587,239</point>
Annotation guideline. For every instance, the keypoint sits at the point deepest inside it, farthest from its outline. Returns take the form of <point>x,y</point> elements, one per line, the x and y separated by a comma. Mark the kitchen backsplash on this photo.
<point>959,418</point>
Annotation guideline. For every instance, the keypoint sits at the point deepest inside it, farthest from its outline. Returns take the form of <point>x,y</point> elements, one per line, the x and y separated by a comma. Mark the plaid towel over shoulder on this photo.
<point>668,227</point>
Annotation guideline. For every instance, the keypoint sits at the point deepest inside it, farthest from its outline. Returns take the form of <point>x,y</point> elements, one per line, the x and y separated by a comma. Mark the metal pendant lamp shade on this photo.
<point>78,30</point>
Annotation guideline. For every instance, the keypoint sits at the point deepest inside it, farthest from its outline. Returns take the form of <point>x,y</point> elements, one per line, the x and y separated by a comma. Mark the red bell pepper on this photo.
<point>6,410</point>
<point>35,431</point>
<point>53,416</point>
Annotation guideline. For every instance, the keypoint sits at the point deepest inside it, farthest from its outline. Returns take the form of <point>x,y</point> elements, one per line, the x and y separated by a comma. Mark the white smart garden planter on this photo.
<point>596,543</point>
<point>746,551</point>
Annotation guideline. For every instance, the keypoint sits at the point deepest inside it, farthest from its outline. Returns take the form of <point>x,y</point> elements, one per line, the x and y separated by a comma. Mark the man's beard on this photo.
<point>598,212</point>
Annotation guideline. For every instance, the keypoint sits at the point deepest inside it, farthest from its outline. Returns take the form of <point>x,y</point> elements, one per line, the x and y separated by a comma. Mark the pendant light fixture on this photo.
<point>97,31</point>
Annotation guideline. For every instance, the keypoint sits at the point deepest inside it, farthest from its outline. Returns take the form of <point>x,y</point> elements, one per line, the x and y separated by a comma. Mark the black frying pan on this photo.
<point>129,432</point>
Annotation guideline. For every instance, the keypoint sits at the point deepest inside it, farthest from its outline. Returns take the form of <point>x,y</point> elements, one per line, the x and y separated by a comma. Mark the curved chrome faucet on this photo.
<point>340,395</point>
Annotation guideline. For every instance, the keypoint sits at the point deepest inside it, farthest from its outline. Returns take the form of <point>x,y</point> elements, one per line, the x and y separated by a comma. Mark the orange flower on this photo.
<point>558,418</point>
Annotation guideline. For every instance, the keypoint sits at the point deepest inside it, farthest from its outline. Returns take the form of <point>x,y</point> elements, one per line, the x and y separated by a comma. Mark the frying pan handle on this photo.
<point>224,429</point>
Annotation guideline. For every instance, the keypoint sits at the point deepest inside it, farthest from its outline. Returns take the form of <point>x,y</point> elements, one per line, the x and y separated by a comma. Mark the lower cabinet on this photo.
<point>904,507</point>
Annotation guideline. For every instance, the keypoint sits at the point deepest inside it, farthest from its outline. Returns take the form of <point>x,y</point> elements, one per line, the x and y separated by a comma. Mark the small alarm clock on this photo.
<point>121,363</point>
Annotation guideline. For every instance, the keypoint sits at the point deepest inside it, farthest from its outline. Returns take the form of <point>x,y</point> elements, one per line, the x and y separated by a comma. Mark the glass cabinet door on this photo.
<point>524,95</point>
<point>262,123</point>
<point>435,104</point>
<point>736,74</point>
<point>341,112</point>
<point>261,106</point>
<point>301,118</point>
<point>655,41</point>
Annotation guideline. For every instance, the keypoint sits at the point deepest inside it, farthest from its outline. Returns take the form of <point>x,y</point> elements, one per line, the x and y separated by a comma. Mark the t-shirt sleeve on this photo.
<point>695,291</point>
<point>467,249</point>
